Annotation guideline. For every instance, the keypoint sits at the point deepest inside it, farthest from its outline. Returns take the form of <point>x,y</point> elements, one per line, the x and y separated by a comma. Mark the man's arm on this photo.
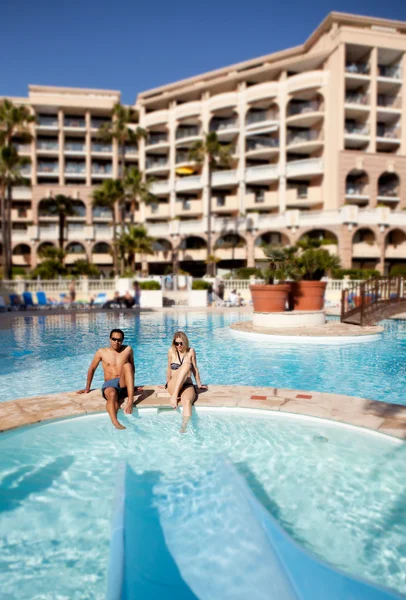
<point>93,366</point>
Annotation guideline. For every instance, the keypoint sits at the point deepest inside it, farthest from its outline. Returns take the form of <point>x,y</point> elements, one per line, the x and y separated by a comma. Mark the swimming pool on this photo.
<point>339,491</point>
<point>50,353</point>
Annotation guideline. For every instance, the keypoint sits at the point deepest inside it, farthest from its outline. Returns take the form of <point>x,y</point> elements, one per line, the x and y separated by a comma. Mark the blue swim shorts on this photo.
<point>115,383</point>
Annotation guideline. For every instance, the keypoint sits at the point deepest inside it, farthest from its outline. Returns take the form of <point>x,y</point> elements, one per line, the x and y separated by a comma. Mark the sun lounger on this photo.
<point>44,302</point>
<point>100,299</point>
<point>3,305</point>
<point>15,302</point>
<point>28,300</point>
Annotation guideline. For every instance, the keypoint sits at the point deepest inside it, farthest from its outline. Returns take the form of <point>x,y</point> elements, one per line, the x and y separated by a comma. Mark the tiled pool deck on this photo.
<point>385,418</point>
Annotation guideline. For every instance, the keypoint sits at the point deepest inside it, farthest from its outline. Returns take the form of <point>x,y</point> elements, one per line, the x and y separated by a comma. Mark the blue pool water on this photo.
<point>340,492</point>
<point>51,353</point>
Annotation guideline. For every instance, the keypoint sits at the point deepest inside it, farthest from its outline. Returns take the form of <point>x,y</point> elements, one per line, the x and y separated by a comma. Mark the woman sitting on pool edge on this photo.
<point>181,365</point>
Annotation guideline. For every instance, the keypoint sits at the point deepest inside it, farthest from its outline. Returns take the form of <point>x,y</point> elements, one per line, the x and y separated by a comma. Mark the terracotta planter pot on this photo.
<point>309,295</point>
<point>270,298</point>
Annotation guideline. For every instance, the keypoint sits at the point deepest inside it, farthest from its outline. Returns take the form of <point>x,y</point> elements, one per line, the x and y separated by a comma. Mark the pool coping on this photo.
<point>382,417</point>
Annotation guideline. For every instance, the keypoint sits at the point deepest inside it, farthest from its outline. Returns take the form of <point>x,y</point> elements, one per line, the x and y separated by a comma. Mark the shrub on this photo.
<point>200,284</point>
<point>397,270</point>
<point>150,285</point>
<point>355,274</point>
<point>246,272</point>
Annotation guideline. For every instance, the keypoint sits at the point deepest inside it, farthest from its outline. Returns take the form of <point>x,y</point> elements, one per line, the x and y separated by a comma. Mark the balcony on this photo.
<point>158,210</point>
<point>157,117</point>
<point>23,148</point>
<point>224,127</point>
<point>360,99</point>
<point>261,121</point>
<point>192,182</point>
<point>182,157</point>
<point>45,146</point>
<point>47,168</point>
<point>160,187</point>
<point>388,132</point>
<point>389,72</point>
<point>224,204</point>
<point>261,200</point>
<point>386,101</point>
<point>101,170</point>
<point>73,168</point>
<point>262,174</point>
<point>187,133</point>
<point>303,196</point>
<point>48,233</point>
<point>74,148</point>
<point>306,112</point>
<point>103,232</point>
<point>26,171</point>
<point>356,193</point>
<point>130,150</point>
<point>388,194</point>
<point>297,138</point>
<point>74,123</point>
<point>100,213</point>
<point>157,139</point>
<point>228,177</point>
<point>188,207</point>
<point>357,69</point>
<point>365,249</point>
<point>307,80</point>
<point>97,122</point>
<point>47,122</point>
<point>157,165</point>
<point>21,192</point>
<point>356,135</point>
<point>305,167</point>
<point>262,146</point>
<point>21,214</point>
<point>99,148</point>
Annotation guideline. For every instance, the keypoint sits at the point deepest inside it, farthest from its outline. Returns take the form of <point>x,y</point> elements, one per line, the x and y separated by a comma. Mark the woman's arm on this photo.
<point>168,367</point>
<point>195,370</point>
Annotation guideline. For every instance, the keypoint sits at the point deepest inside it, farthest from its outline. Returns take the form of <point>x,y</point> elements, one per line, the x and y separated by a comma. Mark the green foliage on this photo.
<point>314,263</point>
<point>52,266</point>
<point>135,241</point>
<point>397,270</point>
<point>246,273</point>
<point>218,155</point>
<point>282,263</point>
<point>150,285</point>
<point>84,267</point>
<point>200,284</point>
<point>136,189</point>
<point>18,272</point>
<point>357,274</point>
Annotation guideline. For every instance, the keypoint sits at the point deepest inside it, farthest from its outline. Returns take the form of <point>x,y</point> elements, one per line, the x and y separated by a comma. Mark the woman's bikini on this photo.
<point>177,365</point>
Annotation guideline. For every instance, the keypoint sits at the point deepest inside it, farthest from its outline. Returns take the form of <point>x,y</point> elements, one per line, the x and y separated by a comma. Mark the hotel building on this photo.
<point>318,137</point>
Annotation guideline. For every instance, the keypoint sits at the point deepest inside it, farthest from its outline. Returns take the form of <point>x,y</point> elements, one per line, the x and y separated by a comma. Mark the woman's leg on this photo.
<point>175,384</point>
<point>187,398</point>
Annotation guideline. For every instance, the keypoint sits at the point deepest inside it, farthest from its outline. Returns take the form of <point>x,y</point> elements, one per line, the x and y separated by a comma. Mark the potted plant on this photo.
<point>198,293</point>
<point>312,264</point>
<point>271,297</point>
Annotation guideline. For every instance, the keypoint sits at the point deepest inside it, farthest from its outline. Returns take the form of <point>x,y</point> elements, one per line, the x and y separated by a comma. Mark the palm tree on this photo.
<point>14,120</point>
<point>10,174</point>
<point>109,194</point>
<point>216,155</point>
<point>136,188</point>
<point>136,241</point>
<point>62,207</point>
<point>119,129</point>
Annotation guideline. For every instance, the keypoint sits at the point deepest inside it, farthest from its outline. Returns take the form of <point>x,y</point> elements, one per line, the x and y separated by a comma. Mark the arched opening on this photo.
<point>395,252</point>
<point>75,251</point>
<point>357,188</point>
<point>231,249</point>
<point>80,209</point>
<point>389,189</point>
<point>46,208</point>
<point>304,106</point>
<point>268,238</point>
<point>102,256</point>
<point>162,260</point>
<point>191,255</point>
<point>324,238</point>
<point>22,255</point>
<point>101,212</point>
<point>365,250</point>
<point>260,112</point>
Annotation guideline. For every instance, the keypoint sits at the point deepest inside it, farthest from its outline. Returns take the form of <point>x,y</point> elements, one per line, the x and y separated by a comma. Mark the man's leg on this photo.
<point>175,384</point>
<point>112,406</point>
<point>127,380</point>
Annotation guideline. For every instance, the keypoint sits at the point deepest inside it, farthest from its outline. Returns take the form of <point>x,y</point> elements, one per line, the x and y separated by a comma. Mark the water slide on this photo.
<point>211,539</point>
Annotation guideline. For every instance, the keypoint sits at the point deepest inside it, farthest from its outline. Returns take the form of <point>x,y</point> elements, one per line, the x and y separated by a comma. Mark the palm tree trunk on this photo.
<point>9,270</point>
<point>61,230</point>
<point>209,266</point>
<point>122,203</point>
<point>6,255</point>
<point>115,260</point>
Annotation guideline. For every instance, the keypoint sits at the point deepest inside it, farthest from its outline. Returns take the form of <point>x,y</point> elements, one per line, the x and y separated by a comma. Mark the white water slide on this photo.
<point>211,539</point>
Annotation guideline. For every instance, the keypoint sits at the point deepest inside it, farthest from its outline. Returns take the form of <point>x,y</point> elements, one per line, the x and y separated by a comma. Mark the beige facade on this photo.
<point>319,148</point>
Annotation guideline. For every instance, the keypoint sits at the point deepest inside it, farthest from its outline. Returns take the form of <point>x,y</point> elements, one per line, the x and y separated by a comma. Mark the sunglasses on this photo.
<point>178,343</point>
<point>117,340</point>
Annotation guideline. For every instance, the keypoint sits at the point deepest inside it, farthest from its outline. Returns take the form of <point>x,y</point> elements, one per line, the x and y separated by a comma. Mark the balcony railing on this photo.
<point>47,121</point>
<point>98,122</point>
<point>74,147</point>
<point>186,132</point>
<point>223,125</point>
<point>182,157</point>
<point>130,150</point>
<point>259,144</point>
<point>76,168</point>
<point>76,123</point>
<point>98,169</point>
<point>358,68</point>
<point>355,189</point>
<point>26,171</point>
<point>391,72</point>
<point>23,148</point>
<point>260,116</point>
<point>45,145</point>
<point>48,168</point>
<point>383,131</point>
<point>296,137</point>
<point>356,129</point>
<point>388,191</point>
<point>304,107</point>
<point>356,98</point>
<point>387,101</point>
<point>107,148</point>
<point>101,213</point>
<point>157,138</point>
<point>156,162</point>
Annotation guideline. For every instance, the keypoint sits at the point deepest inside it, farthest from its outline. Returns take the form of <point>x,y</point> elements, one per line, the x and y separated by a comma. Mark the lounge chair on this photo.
<point>28,300</point>
<point>15,302</point>
<point>100,299</point>
<point>43,301</point>
<point>3,305</point>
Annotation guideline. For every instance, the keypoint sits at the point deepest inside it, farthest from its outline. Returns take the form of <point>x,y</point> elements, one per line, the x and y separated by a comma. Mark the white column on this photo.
<point>172,124</point>
<point>61,139</point>
<point>242,110</point>
<point>373,98</point>
<point>282,100</point>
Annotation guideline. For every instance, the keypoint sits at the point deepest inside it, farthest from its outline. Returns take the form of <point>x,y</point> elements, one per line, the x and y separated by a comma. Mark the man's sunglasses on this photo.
<point>178,343</point>
<point>117,340</point>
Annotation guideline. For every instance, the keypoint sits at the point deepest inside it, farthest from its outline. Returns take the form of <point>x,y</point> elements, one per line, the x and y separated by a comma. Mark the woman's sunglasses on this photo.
<point>178,343</point>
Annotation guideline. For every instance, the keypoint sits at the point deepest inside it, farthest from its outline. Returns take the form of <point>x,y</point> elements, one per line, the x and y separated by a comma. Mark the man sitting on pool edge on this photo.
<point>119,369</point>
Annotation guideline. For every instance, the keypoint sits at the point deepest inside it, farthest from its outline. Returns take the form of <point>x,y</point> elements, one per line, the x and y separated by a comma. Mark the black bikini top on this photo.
<point>175,366</point>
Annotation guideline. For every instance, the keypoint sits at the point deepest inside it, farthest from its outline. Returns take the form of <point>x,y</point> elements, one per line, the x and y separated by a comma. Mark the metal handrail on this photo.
<point>367,302</point>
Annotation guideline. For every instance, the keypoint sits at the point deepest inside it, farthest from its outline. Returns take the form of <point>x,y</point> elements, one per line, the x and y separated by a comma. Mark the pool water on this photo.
<point>51,353</point>
<point>340,492</point>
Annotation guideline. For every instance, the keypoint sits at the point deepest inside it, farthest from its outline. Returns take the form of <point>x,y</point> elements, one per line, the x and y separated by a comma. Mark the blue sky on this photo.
<point>136,45</point>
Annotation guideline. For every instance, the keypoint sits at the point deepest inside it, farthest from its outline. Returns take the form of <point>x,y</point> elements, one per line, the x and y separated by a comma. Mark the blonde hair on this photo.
<point>184,338</point>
